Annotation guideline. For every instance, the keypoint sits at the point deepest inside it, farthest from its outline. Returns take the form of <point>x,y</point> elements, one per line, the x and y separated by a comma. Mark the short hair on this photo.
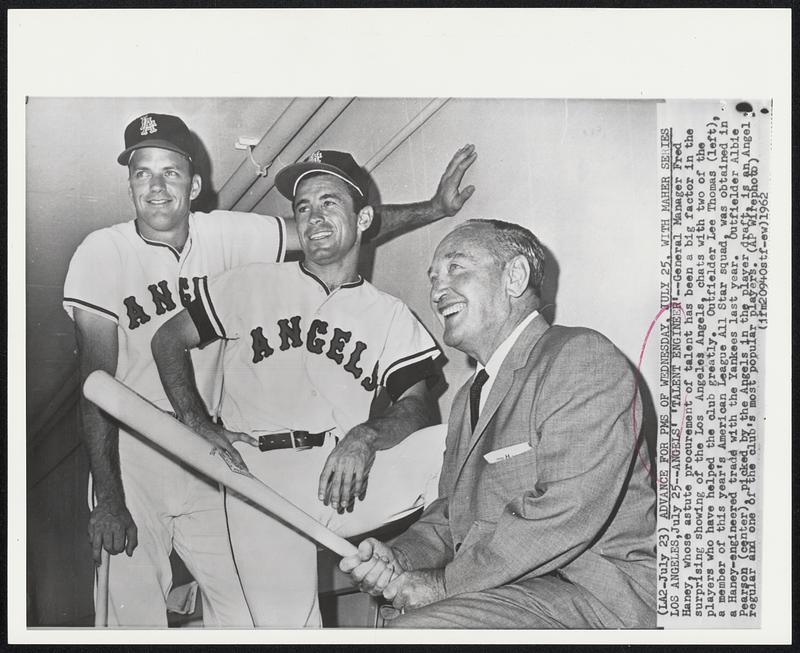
<point>359,200</point>
<point>509,240</point>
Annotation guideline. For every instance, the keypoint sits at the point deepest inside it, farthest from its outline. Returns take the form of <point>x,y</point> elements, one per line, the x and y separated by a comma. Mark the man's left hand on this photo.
<point>415,589</point>
<point>448,200</point>
<point>372,567</point>
<point>346,471</point>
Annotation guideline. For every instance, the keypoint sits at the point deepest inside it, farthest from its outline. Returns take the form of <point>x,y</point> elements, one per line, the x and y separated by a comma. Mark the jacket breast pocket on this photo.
<point>505,453</point>
<point>511,476</point>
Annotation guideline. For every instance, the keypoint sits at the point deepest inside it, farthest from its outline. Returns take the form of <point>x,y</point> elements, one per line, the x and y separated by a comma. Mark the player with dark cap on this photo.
<point>312,349</point>
<point>124,281</point>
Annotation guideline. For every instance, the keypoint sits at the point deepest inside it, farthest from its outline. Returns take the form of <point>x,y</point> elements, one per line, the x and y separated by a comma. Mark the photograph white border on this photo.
<point>545,53</point>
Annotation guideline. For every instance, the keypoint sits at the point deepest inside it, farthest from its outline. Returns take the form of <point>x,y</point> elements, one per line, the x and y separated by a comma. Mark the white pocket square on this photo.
<point>506,452</point>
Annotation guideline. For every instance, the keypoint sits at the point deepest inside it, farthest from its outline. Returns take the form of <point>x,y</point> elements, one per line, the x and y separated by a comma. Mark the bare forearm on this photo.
<point>175,368</point>
<point>446,201</point>
<point>101,437</point>
<point>396,219</point>
<point>400,420</point>
<point>98,346</point>
<point>111,526</point>
<point>171,347</point>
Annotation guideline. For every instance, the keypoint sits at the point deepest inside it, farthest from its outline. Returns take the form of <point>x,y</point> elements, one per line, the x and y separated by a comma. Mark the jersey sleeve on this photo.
<point>251,238</point>
<point>93,277</point>
<point>213,311</point>
<point>409,353</point>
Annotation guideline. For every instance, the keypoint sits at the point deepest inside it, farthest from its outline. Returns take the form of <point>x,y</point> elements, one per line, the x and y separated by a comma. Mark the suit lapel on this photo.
<point>516,358</point>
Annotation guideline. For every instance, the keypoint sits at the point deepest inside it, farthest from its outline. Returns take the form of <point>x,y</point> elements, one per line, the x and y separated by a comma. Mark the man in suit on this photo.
<point>546,515</point>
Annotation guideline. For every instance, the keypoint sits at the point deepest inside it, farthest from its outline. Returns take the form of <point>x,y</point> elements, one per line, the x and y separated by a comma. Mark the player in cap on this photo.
<point>325,393</point>
<point>337,164</point>
<point>123,282</point>
<point>157,130</point>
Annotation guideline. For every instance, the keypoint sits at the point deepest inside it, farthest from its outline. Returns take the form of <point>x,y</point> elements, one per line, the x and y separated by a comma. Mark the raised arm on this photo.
<point>111,526</point>
<point>345,474</point>
<point>171,345</point>
<point>396,219</point>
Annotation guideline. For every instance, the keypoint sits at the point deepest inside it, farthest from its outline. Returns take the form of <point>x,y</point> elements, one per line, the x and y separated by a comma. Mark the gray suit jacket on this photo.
<point>579,502</point>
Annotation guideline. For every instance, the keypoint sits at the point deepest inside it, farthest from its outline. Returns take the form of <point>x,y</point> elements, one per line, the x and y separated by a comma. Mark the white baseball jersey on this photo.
<point>139,284</point>
<point>299,356</point>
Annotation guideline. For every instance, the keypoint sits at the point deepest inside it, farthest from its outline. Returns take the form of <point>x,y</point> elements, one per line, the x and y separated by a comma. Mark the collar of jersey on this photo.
<point>156,243</point>
<point>349,284</point>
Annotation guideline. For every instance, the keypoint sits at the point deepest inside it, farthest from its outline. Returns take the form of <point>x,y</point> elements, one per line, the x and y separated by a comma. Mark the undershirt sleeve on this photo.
<point>210,314</point>
<point>409,354</point>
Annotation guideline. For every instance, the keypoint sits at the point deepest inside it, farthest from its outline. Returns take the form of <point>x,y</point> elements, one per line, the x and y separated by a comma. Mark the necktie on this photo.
<point>475,397</point>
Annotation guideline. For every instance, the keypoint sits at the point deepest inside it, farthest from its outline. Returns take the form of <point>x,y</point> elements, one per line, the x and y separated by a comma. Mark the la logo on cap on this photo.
<point>148,126</point>
<point>316,157</point>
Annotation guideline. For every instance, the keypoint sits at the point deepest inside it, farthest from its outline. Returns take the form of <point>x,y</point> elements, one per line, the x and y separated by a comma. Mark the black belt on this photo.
<point>291,439</point>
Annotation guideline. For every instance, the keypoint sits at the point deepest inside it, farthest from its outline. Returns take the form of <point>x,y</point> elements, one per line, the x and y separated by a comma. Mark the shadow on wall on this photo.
<point>366,260</point>
<point>549,286</point>
<point>207,199</point>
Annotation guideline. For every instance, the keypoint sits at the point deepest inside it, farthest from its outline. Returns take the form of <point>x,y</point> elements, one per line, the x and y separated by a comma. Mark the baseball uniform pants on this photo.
<point>172,507</point>
<point>277,565</point>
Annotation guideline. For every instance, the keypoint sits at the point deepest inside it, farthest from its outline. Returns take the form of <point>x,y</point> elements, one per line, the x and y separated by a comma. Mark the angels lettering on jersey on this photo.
<point>291,338</point>
<point>160,300</point>
<point>292,334</point>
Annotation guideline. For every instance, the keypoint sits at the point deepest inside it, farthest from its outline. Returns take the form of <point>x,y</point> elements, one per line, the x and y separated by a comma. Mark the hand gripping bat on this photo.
<point>161,428</point>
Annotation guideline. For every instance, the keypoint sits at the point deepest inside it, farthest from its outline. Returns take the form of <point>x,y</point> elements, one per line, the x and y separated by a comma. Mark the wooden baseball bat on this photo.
<point>101,603</point>
<point>119,401</point>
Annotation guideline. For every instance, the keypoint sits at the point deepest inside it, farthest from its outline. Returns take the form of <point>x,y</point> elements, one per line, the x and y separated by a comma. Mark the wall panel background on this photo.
<point>581,174</point>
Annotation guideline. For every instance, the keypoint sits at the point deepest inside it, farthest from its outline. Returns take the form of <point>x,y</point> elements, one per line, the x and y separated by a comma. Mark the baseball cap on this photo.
<point>157,130</point>
<point>338,164</point>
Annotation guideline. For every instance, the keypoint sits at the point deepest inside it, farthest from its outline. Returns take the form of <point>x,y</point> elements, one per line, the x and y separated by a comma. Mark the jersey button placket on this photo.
<point>184,255</point>
<point>317,315</point>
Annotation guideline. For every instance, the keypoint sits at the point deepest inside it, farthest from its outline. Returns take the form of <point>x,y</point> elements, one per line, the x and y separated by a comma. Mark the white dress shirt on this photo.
<point>499,355</point>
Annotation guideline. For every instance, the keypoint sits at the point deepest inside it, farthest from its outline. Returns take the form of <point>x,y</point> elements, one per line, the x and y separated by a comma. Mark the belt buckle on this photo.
<point>294,442</point>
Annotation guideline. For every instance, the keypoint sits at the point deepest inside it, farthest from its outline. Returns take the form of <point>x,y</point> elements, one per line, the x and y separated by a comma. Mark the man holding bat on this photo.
<point>310,348</point>
<point>123,282</point>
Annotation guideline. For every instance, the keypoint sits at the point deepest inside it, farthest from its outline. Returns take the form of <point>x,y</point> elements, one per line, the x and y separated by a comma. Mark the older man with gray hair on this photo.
<point>545,516</point>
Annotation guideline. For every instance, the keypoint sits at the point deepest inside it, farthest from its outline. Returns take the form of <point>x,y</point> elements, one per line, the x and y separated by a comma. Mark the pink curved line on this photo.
<point>661,311</point>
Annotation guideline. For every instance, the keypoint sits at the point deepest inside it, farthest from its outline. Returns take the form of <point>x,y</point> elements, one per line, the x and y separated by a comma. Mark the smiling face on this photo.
<point>162,187</point>
<point>469,293</point>
<point>328,227</point>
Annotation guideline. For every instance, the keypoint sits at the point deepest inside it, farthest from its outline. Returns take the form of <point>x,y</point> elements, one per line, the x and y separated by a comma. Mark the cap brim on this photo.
<point>286,179</point>
<point>123,158</point>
